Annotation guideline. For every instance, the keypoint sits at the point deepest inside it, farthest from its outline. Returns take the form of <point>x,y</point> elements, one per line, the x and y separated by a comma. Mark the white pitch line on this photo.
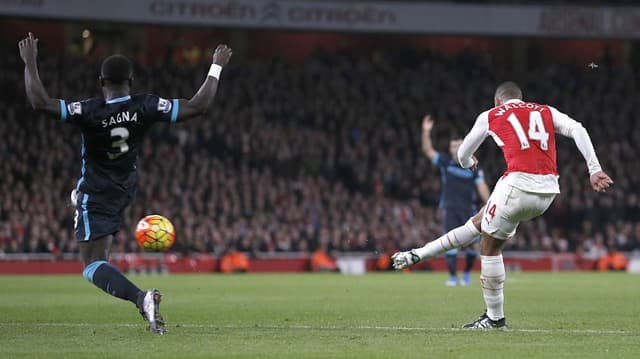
<point>311,327</point>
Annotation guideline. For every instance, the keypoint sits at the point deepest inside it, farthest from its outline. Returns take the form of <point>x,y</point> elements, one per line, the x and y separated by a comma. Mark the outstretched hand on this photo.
<point>28,48</point>
<point>427,123</point>
<point>600,181</point>
<point>222,55</point>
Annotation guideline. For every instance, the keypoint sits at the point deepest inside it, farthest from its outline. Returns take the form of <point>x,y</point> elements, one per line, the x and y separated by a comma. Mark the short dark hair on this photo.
<point>508,91</point>
<point>117,69</point>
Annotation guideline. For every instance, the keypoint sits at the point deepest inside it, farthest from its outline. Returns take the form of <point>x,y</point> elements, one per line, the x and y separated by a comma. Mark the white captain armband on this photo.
<point>214,71</point>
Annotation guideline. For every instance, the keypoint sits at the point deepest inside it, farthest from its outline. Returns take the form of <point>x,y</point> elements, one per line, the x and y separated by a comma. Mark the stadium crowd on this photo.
<point>320,155</point>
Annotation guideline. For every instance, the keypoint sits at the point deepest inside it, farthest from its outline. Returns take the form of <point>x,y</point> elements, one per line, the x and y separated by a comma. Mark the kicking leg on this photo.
<point>456,238</point>
<point>110,279</point>
<point>104,275</point>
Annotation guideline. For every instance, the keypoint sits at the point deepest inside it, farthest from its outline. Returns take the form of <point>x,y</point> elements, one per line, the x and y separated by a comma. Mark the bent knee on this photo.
<point>90,269</point>
<point>490,246</point>
<point>477,219</point>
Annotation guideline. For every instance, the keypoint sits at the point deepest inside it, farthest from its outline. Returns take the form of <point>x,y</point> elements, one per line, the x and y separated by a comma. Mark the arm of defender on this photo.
<point>36,93</point>
<point>473,140</point>
<point>566,126</point>
<point>427,144</point>
<point>201,101</point>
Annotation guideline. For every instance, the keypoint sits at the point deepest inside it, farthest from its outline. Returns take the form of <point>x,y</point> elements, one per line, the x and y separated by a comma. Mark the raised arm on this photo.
<point>427,145</point>
<point>201,101</point>
<point>566,126</point>
<point>36,93</point>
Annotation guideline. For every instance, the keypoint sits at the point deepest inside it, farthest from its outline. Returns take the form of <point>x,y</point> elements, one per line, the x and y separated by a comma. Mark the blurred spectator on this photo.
<point>383,262</point>
<point>612,261</point>
<point>322,262</point>
<point>234,262</point>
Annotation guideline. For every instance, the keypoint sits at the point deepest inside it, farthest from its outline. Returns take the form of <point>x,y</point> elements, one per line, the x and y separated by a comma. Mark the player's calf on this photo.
<point>107,277</point>
<point>492,277</point>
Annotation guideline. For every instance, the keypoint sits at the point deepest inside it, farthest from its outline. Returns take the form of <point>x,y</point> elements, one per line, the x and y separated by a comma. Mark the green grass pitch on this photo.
<point>390,315</point>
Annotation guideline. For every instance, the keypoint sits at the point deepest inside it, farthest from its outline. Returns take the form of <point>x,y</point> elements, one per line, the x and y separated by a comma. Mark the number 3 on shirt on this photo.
<point>536,130</point>
<point>119,135</point>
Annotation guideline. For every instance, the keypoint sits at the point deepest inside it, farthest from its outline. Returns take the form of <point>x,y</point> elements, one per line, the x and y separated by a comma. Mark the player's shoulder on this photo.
<point>494,112</point>
<point>83,106</point>
<point>147,98</point>
<point>142,97</point>
<point>89,101</point>
<point>536,106</point>
<point>544,108</point>
<point>155,102</point>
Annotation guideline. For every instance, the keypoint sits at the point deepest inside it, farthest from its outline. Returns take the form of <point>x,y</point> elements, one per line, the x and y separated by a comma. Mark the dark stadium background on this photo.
<point>313,141</point>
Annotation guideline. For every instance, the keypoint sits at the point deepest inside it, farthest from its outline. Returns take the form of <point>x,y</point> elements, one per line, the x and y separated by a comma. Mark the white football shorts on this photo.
<point>508,206</point>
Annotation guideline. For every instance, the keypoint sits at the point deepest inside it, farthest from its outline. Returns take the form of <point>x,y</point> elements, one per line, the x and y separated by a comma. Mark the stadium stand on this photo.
<point>323,154</point>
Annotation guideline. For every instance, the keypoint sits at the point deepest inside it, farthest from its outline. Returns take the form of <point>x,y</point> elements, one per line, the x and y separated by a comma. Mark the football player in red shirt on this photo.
<point>525,131</point>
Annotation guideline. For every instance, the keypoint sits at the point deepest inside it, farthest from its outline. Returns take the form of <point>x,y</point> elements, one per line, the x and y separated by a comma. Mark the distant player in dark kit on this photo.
<point>458,197</point>
<point>112,129</point>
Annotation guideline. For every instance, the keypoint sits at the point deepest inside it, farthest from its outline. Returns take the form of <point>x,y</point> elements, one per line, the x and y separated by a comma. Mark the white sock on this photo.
<point>492,277</point>
<point>455,238</point>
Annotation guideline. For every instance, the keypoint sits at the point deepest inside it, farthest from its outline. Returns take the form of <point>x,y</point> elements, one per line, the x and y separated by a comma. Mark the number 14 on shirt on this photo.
<point>536,130</point>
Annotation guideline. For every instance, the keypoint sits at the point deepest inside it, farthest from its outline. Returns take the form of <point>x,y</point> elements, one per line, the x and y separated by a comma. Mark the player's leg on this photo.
<point>492,279</point>
<point>506,208</point>
<point>104,275</point>
<point>492,275</point>
<point>456,238</point>
<point>451,257</point>
<point>451,220</point>
<point>492,272</point>
<point>96,221</point>
<point>499,221</point>
<point>471,254</point>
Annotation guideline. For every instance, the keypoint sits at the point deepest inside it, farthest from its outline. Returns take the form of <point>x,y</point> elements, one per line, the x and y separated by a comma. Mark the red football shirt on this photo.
<point>525,132</point>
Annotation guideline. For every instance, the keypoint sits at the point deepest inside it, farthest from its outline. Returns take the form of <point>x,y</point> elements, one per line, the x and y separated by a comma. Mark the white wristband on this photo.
<point>214,71</point>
